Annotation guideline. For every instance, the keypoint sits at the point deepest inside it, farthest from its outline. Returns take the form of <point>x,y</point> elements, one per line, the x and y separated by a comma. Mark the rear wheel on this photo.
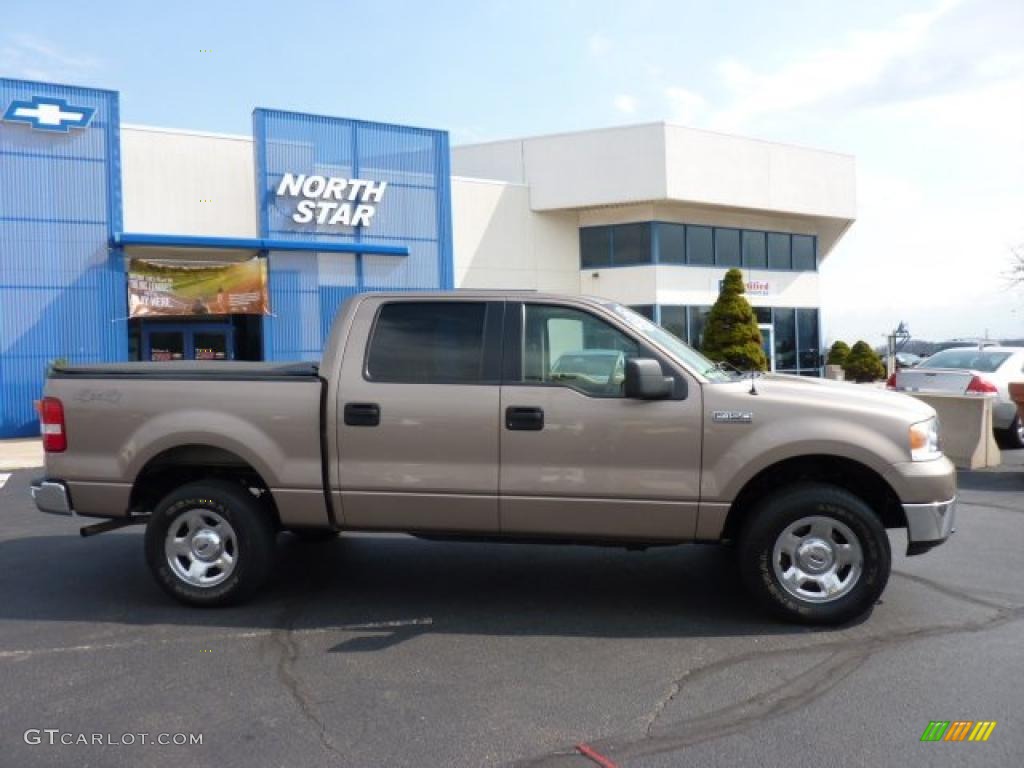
<point>815,553</point>
<point>210,543</point>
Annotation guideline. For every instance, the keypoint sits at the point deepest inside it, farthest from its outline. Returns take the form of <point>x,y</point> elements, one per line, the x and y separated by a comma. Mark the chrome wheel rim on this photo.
<point>1020,431</point>
<point>818,559</point>
<point>201,548</point>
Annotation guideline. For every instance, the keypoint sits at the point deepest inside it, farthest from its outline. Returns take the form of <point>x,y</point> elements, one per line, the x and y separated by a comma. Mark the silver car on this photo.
<point>973,370</point>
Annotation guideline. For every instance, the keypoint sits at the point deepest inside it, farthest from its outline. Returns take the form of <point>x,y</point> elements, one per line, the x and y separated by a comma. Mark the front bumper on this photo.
<point>928,525</point>
<point>51,496</point>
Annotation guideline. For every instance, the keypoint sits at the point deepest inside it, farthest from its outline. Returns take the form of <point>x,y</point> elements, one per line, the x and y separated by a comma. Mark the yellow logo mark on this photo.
<point>982,730</point>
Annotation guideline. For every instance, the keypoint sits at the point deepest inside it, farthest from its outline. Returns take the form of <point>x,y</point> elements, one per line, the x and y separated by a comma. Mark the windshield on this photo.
<point>966,359</point>
<point>676,346</point>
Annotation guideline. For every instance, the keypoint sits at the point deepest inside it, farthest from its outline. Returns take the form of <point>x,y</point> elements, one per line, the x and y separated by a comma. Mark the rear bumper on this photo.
<point>51,496</point>
<point>928,525</point>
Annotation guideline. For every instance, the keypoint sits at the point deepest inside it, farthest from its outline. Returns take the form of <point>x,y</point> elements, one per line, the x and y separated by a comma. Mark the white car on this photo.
<point>972,370</point>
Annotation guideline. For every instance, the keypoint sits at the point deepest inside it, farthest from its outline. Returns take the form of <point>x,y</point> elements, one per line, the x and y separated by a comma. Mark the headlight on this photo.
<point>924,440</point>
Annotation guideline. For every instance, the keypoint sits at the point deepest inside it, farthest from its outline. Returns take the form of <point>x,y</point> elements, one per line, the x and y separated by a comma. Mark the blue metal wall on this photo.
<point>307,289</point>
<point>62,291</point>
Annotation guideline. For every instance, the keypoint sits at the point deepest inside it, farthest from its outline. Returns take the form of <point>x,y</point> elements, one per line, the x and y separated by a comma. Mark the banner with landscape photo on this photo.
<point>164,288</point>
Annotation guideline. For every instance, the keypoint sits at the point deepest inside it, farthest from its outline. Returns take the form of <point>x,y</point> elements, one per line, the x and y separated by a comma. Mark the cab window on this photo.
<point>428,342</point>
<point>567,347</point>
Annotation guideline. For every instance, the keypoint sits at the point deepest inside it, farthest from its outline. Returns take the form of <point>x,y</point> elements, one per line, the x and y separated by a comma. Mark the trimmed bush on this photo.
<point>731,333</point>
<point>838,353</point>
<point>863,364</point>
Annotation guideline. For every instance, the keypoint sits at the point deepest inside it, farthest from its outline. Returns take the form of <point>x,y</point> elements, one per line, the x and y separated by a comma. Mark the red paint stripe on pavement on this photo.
<point>589,752</point>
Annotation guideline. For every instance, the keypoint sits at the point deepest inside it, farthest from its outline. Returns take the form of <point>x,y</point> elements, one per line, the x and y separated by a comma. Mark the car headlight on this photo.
<point>924,440</point>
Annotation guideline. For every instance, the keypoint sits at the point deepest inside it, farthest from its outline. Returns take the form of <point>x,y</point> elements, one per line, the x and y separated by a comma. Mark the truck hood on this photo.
<point>839,395</point>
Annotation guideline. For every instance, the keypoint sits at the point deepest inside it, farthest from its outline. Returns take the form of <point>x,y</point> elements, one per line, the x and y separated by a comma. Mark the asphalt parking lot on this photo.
<point>391,651</point>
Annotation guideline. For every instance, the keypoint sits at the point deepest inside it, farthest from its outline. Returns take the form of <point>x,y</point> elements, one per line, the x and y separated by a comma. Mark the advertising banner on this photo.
<point>166,288</point>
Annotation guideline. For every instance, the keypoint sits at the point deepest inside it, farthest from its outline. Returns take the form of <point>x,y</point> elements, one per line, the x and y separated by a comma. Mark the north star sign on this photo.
<point>328,200</point>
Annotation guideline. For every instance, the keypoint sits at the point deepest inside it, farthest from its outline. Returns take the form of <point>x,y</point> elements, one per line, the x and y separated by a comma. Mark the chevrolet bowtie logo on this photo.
<point>46,114</point>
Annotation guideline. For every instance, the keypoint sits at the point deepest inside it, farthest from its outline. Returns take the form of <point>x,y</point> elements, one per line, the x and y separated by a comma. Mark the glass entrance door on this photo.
<point>187,341</point>
<point>768,344</point>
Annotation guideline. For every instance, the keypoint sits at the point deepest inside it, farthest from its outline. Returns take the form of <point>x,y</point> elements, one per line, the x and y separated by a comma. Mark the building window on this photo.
<point>671,243</point>
<point>637,244</point>
<point>763,315</point>
<point>779,256</point>
<point>631,245</point>
<point>595,247</point>
<point>428,342</point>
<point>785,339</point>
<point>727,247</point>
<point>673,320</point>
<point>647,310</point>
<point>755,256</point>
<point>807,338</point>
<point>803,253</point>
<point>699,250</point>
<point>696,319</point>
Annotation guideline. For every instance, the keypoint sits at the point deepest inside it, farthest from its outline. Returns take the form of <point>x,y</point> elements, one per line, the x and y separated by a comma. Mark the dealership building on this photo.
<point>123,242</point>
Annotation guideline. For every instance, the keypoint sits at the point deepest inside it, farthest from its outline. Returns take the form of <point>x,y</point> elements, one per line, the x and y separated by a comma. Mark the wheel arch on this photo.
<point>849,474</point>
<point>195,462</point>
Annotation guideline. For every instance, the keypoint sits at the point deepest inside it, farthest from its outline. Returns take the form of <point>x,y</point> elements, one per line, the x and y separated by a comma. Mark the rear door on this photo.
<point>577,457</point>
<point>418,416</point>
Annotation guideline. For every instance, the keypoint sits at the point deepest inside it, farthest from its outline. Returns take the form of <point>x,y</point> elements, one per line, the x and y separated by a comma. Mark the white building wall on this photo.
<point>183,183</point>
<point>718,169</point>
<point>500,243</point>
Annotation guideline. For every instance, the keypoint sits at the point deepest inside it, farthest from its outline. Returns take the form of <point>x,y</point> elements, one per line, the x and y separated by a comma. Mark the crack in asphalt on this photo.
<point>288,654</point>
<point>846,656</point>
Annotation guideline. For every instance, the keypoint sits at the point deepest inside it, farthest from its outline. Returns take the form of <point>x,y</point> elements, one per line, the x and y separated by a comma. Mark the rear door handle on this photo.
<point>526,418</point>
<point>362,414</point>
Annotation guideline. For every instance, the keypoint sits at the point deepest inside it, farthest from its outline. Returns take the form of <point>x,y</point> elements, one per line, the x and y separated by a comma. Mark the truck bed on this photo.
<point>124,420</point>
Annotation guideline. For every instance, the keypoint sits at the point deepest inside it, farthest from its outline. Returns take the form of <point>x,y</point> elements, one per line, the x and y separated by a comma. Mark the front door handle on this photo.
<point>362,414</point>
<point>526,418</point>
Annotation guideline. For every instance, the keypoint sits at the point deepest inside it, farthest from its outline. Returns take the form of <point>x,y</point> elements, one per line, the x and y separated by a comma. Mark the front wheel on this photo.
<point>815,554</point>
<point>210,543</point>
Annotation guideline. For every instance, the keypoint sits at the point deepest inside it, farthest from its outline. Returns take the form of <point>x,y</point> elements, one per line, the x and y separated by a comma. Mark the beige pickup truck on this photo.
<point>501,416</point>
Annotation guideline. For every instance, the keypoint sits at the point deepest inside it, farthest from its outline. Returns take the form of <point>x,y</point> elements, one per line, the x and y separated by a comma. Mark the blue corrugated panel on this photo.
<point>308,289</point>
<point>62,292</point>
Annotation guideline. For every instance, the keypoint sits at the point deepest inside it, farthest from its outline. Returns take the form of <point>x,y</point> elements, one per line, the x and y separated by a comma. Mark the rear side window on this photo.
<point>428,342</point>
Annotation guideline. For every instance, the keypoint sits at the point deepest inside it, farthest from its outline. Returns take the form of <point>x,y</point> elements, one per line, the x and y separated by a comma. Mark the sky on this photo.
<point>928,95</point>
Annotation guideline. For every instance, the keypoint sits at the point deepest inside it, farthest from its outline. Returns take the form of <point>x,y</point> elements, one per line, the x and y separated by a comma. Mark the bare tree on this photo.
<point>1016,271</point>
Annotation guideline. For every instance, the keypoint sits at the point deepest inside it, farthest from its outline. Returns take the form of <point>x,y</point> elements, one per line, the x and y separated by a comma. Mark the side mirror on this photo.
<point>645,379</point>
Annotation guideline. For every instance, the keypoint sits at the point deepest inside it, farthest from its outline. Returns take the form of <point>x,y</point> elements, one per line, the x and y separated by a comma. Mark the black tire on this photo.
<point>770,519</point>
<point>252,541</point>
<point>1013,437</point>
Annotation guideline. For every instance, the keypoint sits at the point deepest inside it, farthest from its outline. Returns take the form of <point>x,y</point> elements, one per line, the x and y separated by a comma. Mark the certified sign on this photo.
<point>330,200</point>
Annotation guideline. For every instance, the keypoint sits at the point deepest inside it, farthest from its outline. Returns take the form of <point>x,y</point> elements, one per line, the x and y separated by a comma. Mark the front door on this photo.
<point>577,457</point>
<point>187,341</point>
<point>417,428</point>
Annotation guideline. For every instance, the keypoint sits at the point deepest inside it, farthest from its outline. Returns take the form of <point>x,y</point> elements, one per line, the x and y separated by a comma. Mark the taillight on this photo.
<point>890,383</point>
<point>980,386</point>
<point>51,419</point>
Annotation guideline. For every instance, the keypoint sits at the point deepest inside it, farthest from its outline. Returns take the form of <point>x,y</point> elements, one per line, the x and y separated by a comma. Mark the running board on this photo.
<point>112,525</point>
